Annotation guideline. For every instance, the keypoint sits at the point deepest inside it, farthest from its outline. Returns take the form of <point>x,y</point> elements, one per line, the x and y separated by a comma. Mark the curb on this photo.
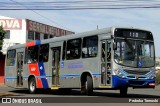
<point>3,94</point>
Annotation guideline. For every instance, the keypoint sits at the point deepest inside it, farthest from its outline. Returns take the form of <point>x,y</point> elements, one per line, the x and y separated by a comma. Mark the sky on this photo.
<point>86,20</point>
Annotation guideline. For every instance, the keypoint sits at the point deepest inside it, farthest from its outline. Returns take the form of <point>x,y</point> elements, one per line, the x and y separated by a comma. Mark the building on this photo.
<point>19,31</point>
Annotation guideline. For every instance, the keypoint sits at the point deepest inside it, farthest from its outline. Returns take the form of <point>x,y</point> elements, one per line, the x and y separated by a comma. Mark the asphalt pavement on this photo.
<point>100,97</point>
<point>132,93</point>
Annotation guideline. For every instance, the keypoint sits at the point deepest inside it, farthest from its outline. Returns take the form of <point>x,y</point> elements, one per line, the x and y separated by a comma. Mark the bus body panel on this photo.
<point>72,71</point>
<point>10,76</point>
<point>26,75</point>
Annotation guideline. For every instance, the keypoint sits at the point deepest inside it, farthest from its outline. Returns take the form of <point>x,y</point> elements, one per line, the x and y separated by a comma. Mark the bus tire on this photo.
<point>123,91</point>
<point>32,85</point>
<point>89,86</point>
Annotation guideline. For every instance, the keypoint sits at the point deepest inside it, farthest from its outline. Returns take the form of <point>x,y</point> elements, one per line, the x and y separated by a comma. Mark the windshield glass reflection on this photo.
<point>134,53</point>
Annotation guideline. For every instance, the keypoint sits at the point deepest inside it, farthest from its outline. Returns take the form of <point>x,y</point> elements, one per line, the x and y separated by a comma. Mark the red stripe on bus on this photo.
<point>28,44</point>
<point>34,70</point>
<point>39,83</point>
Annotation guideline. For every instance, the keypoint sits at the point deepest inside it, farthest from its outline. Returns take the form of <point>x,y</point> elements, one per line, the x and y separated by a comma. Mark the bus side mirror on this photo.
<point>114,46</point>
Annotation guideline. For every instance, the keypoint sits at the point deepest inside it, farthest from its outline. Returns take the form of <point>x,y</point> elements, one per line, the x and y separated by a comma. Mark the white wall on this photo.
<point>17,36</point>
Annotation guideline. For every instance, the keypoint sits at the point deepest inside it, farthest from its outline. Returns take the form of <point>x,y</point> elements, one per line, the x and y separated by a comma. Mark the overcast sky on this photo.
<point>85,20</point>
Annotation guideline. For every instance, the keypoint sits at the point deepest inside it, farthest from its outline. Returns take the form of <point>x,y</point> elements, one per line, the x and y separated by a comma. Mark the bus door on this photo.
<point>106,62</point>
<point>56,51</point>
<point>19,68</point>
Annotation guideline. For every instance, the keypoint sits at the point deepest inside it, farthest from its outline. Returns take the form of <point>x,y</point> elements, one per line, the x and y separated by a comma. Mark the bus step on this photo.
<point>55,88</point>
<point>19,87</point>
<point>109,86</point>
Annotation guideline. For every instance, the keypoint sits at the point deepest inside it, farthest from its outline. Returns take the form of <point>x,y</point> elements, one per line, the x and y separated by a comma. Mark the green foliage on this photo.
<point>158,78</point>
<point>2,34</point>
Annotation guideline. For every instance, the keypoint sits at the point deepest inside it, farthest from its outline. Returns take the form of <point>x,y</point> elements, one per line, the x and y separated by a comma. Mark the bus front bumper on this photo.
<point>118,82</point>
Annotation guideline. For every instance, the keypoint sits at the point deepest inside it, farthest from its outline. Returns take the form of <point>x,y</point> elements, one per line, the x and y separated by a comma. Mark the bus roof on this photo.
<point>74,36</point>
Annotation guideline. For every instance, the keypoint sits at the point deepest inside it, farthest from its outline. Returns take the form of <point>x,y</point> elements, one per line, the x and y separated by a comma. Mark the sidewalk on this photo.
<point>2,85</point>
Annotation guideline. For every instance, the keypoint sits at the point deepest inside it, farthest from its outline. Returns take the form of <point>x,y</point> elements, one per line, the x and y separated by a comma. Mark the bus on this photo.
<point>113,58</point>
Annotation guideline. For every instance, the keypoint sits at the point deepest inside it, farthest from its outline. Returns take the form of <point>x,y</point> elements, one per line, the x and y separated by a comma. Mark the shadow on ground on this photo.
<point>78,93</point>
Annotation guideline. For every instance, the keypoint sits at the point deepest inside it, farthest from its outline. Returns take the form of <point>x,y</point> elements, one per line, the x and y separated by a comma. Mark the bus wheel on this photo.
<point>89,86</point>
<point>32,85</point>
<point>123,91</point>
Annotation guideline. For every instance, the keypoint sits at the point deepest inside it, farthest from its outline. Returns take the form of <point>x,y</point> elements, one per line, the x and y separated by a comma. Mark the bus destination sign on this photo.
<point>133,33</point>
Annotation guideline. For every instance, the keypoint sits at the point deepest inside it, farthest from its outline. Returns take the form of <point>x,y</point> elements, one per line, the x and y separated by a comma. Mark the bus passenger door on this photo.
<point>20,69</point>
<point>56,51</point>
<point>106,63</point>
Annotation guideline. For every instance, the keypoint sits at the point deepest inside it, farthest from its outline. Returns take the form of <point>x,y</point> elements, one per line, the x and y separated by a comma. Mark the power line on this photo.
<point>81,8</point>
<point>81,5</point>
<point>95,5</point>
<point>84,2</point>
<point>90,1</point>
<point>39,14</point>
<point>81,2</point>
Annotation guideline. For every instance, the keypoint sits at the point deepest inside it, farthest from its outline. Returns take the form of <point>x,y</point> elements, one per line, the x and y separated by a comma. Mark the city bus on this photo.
<point>113,58</point>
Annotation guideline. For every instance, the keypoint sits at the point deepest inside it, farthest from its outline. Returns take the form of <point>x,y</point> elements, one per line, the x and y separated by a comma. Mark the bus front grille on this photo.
<point>134,77</point>
<point>136,72</point>
<point>134,82</point>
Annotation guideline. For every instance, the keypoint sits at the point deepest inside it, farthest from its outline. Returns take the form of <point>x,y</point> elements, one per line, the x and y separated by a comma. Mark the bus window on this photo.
<point>31,54</point>
<point>11,54</point>
<point>74,49</point>
<point>90,47</point>
<point>44,52</point>
<point>64,50</point>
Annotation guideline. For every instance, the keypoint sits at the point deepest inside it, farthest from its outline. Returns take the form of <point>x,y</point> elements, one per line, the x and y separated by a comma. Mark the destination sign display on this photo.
<point>133,33</point>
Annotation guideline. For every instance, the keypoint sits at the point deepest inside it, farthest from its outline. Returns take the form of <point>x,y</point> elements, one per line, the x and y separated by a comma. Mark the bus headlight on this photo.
<point>152,76</point>
<point>119,73</point>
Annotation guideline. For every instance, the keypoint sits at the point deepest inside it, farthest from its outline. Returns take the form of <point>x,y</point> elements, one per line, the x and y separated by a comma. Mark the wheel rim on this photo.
<point>86,85</point>
<point>32,86</point>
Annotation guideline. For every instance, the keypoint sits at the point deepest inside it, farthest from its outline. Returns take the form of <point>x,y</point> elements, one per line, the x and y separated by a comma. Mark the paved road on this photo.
<point>155,93</point>
<point>110,96</point>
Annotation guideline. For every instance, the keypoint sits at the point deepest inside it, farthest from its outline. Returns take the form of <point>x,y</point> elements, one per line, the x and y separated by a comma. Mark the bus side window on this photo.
<point>74,49</point>
<point>31,55</point>
<point>43,53</point>
<point>64,50</point>
<point>90,47</point>
<point>11,54</point>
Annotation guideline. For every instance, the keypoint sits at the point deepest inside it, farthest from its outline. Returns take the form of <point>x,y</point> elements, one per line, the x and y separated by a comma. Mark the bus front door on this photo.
<point>19,69</point>
<point>106,63</point>
<point>56,51</point>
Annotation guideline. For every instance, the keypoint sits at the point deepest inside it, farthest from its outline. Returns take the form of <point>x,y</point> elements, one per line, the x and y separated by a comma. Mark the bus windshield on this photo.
<point>134,53</point>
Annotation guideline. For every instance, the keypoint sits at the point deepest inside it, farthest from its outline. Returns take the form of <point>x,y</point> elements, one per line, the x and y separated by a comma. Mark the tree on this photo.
<point>2,34</point>
<point>158,77</point>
